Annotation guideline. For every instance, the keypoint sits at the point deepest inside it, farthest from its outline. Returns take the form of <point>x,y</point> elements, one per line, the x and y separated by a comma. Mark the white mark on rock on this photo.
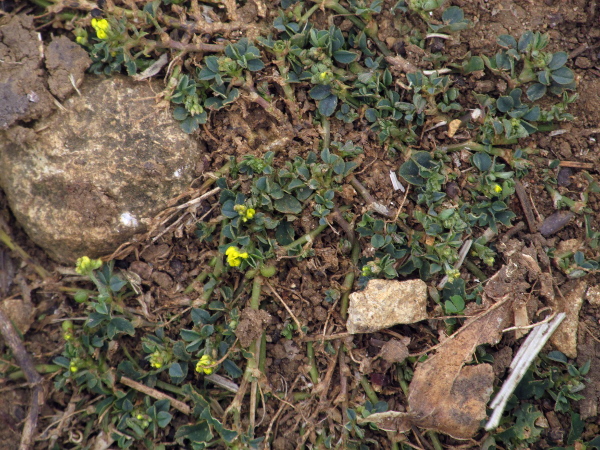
<point>128,220</point>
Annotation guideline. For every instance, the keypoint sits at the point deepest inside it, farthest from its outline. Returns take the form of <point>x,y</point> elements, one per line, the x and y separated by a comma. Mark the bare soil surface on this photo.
<point>168,265</point>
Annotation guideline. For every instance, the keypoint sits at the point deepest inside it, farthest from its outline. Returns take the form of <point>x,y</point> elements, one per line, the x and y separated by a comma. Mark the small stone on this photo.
<point>163,280</point>
<point>565,336</point>
<point>142,269</point>
<point>384,303</point>
<point>593,295</point>
<point>21,313</point>
<point>583,63</point>
<point>394,351</point>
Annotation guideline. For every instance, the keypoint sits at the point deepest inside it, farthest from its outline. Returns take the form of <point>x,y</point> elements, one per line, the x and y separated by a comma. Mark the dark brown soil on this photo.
<point>168,265</point>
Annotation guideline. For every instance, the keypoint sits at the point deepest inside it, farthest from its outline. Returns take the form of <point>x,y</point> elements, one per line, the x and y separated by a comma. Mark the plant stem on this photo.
<point>435,440</point>
<point>309,237</point>
<point>40,368</point>
<point>475,270</point>
<point>326,132</point>
<point>368,389</point>
<point>6,240</point>
<point>218,267</point>
<point>401,381</point>
<point>335,6</point>
<point>309,13</point>
<point>314,373</point>
<point>349,280</point>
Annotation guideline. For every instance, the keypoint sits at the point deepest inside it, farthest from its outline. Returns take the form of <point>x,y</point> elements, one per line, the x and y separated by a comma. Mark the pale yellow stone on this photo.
<point>385,303</point>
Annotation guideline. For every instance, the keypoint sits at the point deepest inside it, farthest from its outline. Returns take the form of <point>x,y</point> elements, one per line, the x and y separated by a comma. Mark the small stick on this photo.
<point>577,165</point>
<point>286,307</point>
<point>26,363</point>
<point>6,240</point>
<point>180,406</point>
<point>527,206</point>
<point>373,204</point>
<point>462,254</point>
<point>521,362</point>
<point>512,231</point>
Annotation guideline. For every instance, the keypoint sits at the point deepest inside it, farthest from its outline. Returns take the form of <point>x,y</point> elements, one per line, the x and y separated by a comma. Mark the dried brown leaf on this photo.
<point>445,395</point>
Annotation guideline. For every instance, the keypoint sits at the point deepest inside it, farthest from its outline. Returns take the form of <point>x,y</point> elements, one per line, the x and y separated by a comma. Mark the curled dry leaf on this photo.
<point>445,395</point>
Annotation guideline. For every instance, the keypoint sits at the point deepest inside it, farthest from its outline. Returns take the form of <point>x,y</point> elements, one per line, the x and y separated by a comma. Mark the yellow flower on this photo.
<point>204,363</point>
<point>234,256</point>
<point>250,213</point>
<point>244,212</point>
<point>85,265</point>
<point>324,75</point>
<point>157,359</point>
<point>102,27</point>
<point>497,188</point>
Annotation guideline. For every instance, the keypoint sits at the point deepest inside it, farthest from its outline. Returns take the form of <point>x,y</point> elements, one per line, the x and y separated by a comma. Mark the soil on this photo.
<point>167,266</point>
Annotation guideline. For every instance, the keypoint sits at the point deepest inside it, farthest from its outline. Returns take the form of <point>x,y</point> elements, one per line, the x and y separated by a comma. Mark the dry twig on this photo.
<point>26,364</point>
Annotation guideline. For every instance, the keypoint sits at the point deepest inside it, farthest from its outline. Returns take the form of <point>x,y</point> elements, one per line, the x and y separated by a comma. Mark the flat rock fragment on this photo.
<point>384,303</point>
<point>565,337</point>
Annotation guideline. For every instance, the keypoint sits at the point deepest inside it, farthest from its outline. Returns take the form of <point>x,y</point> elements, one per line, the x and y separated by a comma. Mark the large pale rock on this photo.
<point>384,303</point>
<point>93,175</point>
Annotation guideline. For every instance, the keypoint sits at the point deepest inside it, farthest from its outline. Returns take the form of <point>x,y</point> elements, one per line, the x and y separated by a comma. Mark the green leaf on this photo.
<point>255,65</point>
<point>199,433</point>
<point>525,41</point>
<point>558,60</point>
<point>232,369</point>
<point>455,305</point>
<point>288,205</point>
<point>180,113</point>
<point>189,125</point>
<point>558,357</point>
<point>320,91</point>
<point>371,115</point>
<point>544,77</point>
<point>377,241</point>
<point>533,114</point>
<point>452,15</point>
<point>344,56</point>
<point>475,63</point>
<point>577,426</point>
<point>563,76</point>
<point>201,316</point>
<point>482,161</point>
<point>119,325</point>
<point>506,41</point>
<point>536,91</point>
<point>163,419</point>
<point>62,361</point>
<point>505,104</point>
<point>327,106</point>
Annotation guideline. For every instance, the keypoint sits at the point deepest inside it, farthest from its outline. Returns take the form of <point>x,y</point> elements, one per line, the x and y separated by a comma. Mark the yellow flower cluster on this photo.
<point>85,265</point>
<point>497,188</point>
<point>204,363</point>
<point>157,359</point>
<point>102,27</point>
<point>234,256</point>
<point>244,212</point>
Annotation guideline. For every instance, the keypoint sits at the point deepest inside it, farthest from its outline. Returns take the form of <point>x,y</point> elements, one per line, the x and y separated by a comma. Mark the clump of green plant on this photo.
<point>264,198</point>
<point>133,416</point>
<point>552,377</point>
<point>525,61</point>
